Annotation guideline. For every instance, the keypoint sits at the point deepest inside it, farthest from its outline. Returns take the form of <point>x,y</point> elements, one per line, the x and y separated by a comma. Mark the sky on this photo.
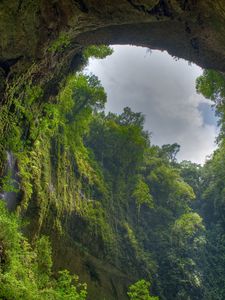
<point>163,89</point>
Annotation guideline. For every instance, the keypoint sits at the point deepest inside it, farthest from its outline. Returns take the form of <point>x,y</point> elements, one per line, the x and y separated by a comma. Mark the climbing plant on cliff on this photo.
<point>26,270</point>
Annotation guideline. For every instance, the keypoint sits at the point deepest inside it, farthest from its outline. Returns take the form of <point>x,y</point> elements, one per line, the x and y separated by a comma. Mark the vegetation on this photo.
<point>86,174</point>
<point>26,270</point>
<point>60,44</point>
<point>97,51</point>
<point>210,192</point>
<point>140,291</point>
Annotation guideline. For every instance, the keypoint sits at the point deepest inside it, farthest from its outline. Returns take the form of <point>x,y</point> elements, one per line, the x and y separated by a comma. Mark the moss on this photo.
<point>62,184</point>
<point>26,270</point>
<point>19,115</point>
<point>141,255</point>
<point>54,187</point>
<point>60,44</point>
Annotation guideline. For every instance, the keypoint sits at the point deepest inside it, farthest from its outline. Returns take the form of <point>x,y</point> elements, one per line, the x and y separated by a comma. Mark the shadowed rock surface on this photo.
<point>11,197</point>
<point>52,33</point>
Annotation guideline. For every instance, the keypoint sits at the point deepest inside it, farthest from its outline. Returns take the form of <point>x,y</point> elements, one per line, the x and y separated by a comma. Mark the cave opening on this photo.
<point>163,89</point>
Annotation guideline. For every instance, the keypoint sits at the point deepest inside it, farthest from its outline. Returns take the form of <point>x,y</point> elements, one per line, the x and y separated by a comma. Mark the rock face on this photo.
<point>52,33</point>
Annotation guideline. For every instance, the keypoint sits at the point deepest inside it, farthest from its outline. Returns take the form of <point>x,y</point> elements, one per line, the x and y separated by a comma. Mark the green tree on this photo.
<point>187,227</point>
<point>100,51</point>
<point>87,93</point>
<point>142,195</point>
<point>211,197</point>
<point>118,146</point>
<point>169,151</point>
<point>140,291</point>
<point>212,86</point>
<point>192,174</point>
<point>128,117</point>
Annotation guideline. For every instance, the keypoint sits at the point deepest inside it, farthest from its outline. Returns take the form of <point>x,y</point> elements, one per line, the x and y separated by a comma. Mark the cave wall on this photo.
<point>50,34</point>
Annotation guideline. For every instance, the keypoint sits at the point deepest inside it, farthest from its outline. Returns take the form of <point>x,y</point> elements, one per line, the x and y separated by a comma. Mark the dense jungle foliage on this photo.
<point>95,179</point>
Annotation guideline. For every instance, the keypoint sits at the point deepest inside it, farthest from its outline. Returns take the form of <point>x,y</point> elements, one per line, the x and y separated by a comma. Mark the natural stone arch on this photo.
<point>190,29</point>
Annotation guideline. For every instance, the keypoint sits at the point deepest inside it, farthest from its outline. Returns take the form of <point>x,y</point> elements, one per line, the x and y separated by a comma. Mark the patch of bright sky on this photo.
<point>163,89</point>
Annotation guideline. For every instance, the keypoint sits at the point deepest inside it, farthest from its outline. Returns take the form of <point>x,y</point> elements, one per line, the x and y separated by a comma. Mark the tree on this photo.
<point>117,143</point>
<point>100,51</point>
<point>128,117</point>
<point>212,86</point>
<point>140,291</point>
<point>187,226</point>
<point>87,93</point>
<point>191,173</point>
<point>142,195</point>
<point>169,151</point>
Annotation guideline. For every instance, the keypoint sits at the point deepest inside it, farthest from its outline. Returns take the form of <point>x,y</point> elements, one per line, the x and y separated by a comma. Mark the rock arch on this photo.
<point>52,33</point>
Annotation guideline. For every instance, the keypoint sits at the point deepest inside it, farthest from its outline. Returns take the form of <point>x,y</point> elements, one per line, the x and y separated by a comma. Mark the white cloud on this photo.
<point>164,90</point>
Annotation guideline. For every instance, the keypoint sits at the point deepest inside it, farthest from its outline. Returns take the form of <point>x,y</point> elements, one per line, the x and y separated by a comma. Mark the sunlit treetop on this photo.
<point>211,85</point>
<point>100,51</point>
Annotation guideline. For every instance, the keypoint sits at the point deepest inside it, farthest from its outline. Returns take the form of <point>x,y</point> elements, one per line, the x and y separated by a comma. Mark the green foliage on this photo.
<point>211,206</point>
<point>191,173</point>
<point>140,291</point>
<point>8,183</point>
<point>188,225</point>
<point>66,287</point>
<point>128,117</point>
<point>208,184</point>
<point>61,43</point>
<point>169,151</point>
<point>19,117</point>
<point>132,168</point>
<point>110,138</point>
<point>166,185</point>
<point>100,51</point>
<point>211,85</point>
<point>84,174</point>
<point>142,195</point>
<point>83,92</point>
<point>25,271</point>
<point>143,256</point>
<point>44,260</point>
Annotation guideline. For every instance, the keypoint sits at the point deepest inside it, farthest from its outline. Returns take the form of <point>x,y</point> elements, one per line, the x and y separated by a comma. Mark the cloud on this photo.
<point>164,90</point>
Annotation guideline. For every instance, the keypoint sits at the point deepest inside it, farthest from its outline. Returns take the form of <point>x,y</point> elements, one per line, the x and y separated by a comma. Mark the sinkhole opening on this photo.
<point>163,89</point>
